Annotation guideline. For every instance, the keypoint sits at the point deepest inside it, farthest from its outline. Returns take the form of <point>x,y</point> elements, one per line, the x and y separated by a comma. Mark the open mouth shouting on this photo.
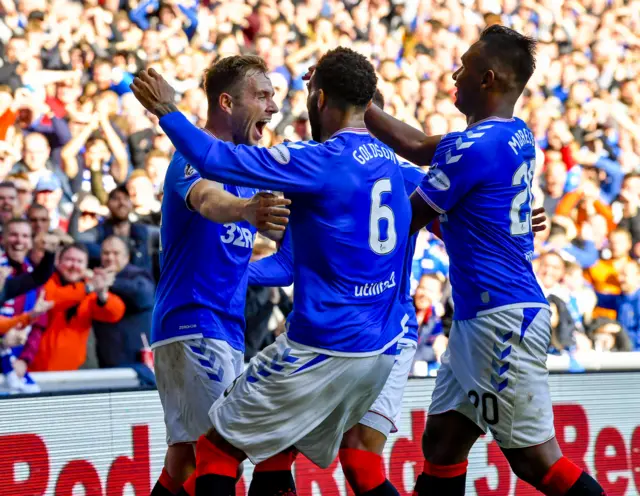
<point>259,128</point>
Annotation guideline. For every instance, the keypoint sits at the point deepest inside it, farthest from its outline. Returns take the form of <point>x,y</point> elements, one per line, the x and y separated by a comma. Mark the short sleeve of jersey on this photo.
<point>446,184</point>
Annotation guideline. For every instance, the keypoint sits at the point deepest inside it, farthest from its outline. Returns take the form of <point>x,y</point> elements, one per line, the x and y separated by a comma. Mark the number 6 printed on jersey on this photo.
<point>379,212</point>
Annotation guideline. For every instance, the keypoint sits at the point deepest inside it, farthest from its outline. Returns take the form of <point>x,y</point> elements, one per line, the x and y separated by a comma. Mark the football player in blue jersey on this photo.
<point>493,375</point>
<point>207,235</point>
<point>371,433</point>
<point>350,229</point>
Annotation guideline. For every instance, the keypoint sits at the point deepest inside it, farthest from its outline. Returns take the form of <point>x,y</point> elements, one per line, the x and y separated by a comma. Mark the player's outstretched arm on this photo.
<point>264,211</point>
<point>275,270</point>
<point>291,170</point>
<point>406,141</point>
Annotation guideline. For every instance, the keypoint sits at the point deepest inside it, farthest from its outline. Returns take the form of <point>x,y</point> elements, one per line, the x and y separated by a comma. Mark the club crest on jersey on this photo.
<point>189,171</point>
<point>280,153</point>
<point>438,179</point>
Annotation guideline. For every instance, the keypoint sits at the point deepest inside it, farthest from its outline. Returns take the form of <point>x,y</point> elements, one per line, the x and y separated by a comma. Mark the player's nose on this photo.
<point>272,107</point>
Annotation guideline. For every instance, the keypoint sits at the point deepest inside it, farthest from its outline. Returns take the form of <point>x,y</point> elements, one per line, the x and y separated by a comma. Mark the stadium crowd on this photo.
<point>84,163</point>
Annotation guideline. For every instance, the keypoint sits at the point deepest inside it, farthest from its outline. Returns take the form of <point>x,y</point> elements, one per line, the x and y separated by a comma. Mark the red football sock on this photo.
<point>165,485</point>
<point>363,469</point>
<point>445,471</point>
<point>560,478</point>
<point>277,463</point>
<point>211,460</point>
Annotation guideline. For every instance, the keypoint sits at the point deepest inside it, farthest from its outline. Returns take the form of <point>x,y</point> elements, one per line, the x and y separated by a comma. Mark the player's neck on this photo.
<point>219,131</point>
<point>503,110</point>
<point>346,120</point>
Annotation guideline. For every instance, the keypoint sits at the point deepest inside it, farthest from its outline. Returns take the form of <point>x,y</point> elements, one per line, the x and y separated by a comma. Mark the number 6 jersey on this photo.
<point>480,184</point>
<point>350,218</point>
<point>203,266</point>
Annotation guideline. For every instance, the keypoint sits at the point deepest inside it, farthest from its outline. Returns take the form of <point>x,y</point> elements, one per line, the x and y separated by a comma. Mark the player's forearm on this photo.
<point>406,141</point>
<point>271,271</point>
<point>273,235</point>
<point>421,213</point>
<point>222,207</point>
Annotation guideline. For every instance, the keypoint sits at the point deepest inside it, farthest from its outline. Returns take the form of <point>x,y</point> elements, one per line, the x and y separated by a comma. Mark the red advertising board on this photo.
<point>112,444</point>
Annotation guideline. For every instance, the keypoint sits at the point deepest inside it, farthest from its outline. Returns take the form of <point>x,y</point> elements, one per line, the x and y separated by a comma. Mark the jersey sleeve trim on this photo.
<point>186,196</point>
<point>429,201</point>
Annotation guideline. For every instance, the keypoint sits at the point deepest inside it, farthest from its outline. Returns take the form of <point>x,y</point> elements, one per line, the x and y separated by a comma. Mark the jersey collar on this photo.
<point>498,119</point>
<point>210,133</point>
<point>353,130</point>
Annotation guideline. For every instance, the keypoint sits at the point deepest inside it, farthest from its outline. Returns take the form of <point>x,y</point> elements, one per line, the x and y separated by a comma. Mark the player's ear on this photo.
<point>488,79</point>
<point>226,102</point>
<point>321,99</point>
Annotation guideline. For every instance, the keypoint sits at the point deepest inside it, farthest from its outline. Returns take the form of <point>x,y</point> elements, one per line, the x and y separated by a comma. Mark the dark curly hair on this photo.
<point>346,77</point>
<point>511,51</point>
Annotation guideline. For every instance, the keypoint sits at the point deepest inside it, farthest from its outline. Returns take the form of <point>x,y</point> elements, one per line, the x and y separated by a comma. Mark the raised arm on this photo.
<point>406,141</point>
<point>288,168</point>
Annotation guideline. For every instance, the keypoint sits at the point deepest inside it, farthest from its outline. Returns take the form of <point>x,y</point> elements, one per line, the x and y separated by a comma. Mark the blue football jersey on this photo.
<point>203,266</point>
<point>349,227</point>
<point>277,269</point>
<point>480,184</point>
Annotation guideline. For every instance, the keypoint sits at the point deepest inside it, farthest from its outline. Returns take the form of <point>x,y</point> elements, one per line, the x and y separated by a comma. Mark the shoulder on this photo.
<point>301,150</point>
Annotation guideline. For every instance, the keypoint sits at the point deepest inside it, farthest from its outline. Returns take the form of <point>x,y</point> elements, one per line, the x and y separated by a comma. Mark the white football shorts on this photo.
<point>190,376</point>
<point>293,396</point>
<point>494,372</point>
<point>385,412</point>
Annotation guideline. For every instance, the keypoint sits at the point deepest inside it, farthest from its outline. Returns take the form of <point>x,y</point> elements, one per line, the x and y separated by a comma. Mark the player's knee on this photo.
<point>533,463</point>
<point>362,437</point>
<point>448,438</point>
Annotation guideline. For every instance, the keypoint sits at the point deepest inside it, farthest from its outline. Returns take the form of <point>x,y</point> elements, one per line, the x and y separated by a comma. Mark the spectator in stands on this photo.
<point>120,345</point>
<point>24,190</point>
<point>8,202</point>
<point>156,164</point>
<point>604,274</point>
<point>630,205</point>
<point>627,304</point>
<point>138,236</point>
<point>555,178</point>
<point>608,335</point>
<point>80,301</point>
<point>48,193</point>
<point>17,243</point>
<point>40,220</point>
<point>37,165</point>
<point>432,339</point>
<point>146,207</point>
<point>96,158</point>
<point>564,239</point>
<point>581,297</point>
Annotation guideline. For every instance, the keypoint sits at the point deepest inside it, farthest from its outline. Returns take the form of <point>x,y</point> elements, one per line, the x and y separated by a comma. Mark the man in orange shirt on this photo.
<point>604,274</point>
<point>76,305</point>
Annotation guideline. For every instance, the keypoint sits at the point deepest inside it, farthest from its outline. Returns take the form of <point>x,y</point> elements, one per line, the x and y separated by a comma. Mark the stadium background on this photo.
<point>71,136</point>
